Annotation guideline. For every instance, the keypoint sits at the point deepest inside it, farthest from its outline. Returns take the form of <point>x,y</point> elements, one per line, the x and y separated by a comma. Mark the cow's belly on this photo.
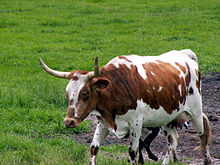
<point>151,118</point>
<point>156,118</point>
<point>159,117</point>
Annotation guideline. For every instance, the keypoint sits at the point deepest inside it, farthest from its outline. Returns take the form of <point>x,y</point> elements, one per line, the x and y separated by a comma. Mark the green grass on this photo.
<point>67,35</point>
<point>22,150</point>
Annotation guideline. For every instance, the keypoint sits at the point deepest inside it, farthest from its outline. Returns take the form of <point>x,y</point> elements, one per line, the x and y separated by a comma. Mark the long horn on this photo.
<point>54,72</point>
<point>96,70</point>
<point>96,67</point>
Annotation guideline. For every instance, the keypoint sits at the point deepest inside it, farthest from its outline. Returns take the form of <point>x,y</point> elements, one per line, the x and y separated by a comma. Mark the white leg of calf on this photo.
<point>172,140</point>
<point>100,134</point>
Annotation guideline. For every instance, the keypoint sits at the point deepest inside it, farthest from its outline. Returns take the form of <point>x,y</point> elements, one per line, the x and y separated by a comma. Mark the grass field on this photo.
<point>67,35</point>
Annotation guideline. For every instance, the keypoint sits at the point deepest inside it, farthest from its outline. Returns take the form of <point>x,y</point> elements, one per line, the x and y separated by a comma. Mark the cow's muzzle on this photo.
<point>71,122</point>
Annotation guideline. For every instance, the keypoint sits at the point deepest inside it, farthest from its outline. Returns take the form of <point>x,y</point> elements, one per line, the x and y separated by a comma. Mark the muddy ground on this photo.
<point>188,137</point>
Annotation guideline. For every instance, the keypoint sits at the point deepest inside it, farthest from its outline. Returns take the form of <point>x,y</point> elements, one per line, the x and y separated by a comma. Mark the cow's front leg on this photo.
<point>100,133</point>
<point>135,134</point>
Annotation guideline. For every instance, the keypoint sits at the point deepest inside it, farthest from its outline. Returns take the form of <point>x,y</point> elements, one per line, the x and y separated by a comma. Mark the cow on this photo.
<point>131,93</point>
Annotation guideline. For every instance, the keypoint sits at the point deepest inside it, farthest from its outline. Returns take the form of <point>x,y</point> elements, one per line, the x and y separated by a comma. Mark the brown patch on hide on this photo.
<point>122,93</point>
<point>182,68</point>
<point>71,102</point>
<point>71,110</point>
<point>196,72</point>
<point>198,82</point>
<point>123,57</point>
<point>165,76</point>
<point>170,139</point>
<point>82,72</point>
<point>75,78</point>
<point>188,76</point>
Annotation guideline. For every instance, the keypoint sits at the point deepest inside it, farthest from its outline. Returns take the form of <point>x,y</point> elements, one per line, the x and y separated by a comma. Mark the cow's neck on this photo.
<point>108,115</point>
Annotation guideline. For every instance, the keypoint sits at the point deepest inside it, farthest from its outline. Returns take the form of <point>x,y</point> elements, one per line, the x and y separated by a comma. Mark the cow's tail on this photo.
<point>206,137</point>
<point>205,141</point>
<point>190,53</point>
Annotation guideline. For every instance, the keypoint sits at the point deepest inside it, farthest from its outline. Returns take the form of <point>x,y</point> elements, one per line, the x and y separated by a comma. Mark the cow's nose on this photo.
<point>69,122</point>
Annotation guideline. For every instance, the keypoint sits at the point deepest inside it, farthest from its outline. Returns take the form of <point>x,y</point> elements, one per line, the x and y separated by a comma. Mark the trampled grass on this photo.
<point>67,35</point>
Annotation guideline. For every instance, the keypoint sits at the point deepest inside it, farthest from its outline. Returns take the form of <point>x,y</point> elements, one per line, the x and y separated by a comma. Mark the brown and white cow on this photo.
<point>134,92</point>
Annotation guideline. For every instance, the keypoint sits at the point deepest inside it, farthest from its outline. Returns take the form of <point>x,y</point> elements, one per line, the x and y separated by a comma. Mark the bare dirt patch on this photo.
<point>188,137</point>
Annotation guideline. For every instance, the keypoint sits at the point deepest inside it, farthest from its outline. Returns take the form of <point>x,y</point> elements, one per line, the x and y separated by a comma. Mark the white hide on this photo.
<point>73,88</point>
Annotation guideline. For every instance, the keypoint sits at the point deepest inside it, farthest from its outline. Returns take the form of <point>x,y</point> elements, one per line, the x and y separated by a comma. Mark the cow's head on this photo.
<point>82,92</point>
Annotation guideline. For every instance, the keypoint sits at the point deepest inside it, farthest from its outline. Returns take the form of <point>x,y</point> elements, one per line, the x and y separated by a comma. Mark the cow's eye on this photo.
<point>84,94</point>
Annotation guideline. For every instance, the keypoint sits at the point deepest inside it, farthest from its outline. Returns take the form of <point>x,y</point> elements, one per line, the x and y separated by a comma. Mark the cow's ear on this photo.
<point>100,83</point>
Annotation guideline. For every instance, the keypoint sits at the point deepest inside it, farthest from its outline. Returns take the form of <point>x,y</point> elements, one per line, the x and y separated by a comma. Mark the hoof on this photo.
<point>153,157</point>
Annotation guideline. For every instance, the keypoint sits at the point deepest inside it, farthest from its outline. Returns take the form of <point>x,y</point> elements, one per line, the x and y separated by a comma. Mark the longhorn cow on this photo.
<point>131,93</point>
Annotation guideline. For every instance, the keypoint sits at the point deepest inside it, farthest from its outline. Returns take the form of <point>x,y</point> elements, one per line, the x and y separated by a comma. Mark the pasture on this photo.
<point>67,35</point>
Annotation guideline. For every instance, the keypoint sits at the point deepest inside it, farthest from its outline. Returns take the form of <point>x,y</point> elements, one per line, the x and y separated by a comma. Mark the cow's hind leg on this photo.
<point>203,128</point>
<point>172,140</point>
<point>201,123</point>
